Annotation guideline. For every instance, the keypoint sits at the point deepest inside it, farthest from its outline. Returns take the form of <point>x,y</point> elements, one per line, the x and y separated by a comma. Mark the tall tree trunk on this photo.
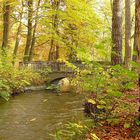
<point>137,43</point>
<point>6,15</point>
<point>18,35</point>
<point>34,33</point>
<point>29,33</point>
<point>135,48</point>
<point>54,48</point>
<point>116,56</point>
<point>51,49</point>
<point>127,34</point>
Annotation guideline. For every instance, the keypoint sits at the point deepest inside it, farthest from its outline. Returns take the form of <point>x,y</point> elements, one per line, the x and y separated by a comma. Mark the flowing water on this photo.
<point>33,116</point>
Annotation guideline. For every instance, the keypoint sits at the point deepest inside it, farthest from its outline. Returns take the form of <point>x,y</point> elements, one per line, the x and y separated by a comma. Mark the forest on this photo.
<point>69,69</point>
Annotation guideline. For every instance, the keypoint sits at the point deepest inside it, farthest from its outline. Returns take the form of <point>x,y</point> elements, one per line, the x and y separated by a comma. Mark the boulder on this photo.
<point>64,85</point>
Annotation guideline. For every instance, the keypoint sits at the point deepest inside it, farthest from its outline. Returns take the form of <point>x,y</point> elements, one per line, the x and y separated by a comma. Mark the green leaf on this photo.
<point>5,95</point>
<point>137,122</point>
<point>102,102</point>
<point>100,106</point>
<point>127,125</point>
<point>115,94</point>
<point>130,85</point>
<point>113,121</point>
<point>131,97</point>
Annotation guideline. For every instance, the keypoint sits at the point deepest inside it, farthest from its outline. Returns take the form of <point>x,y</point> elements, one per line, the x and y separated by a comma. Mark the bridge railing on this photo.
<point>53,66</point>
<point>35,65</point>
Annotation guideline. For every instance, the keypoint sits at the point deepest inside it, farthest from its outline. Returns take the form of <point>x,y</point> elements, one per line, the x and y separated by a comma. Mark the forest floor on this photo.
<point>115,133</point>
<point>118,132</point>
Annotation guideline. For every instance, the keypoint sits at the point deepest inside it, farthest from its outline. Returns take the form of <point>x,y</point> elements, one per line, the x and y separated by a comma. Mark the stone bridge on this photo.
<point>56,70</point>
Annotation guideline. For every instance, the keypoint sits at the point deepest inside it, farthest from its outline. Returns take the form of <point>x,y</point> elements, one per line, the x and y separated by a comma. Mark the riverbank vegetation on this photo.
<point>13,80</point>
<point>96,40</point>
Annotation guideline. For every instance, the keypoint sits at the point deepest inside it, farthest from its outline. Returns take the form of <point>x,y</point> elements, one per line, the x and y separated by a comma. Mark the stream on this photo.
<point>35,115</point>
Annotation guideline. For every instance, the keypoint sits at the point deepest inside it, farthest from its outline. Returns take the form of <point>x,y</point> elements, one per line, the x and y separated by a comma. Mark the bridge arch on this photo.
<point>56,80</point>
<point>56,76</point>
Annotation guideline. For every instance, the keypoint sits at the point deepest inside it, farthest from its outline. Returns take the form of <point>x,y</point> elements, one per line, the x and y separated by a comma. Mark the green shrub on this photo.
<point>14,80</point>
<point>106,85</point>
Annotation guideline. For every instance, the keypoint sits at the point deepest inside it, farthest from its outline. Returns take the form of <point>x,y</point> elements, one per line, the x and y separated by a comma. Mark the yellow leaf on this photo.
<point>92,101</point>
<point>44,100</point>
<point>32,119</point>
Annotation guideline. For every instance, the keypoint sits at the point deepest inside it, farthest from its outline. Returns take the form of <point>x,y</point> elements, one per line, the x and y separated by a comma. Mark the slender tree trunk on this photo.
<point>51,50</point>
<point>127,34</point>
<point>116,56</point>
<point>52,45</point>
<point>6,15</point>
<point>34,33</point>
<point>135,49</point>
<point>54,49</point>
<point>137,43</point>
<point>18,36</point>
<point>29,33</point>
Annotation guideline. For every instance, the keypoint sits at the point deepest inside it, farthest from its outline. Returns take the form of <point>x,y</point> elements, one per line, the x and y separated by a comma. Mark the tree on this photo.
<point>6,16</point>
<point>135,45</point>
<point>137,37</point>
<point>29,32</point>
<point>18,37</point>
<point>34,33</point>
<point>116,54</point>
<point>54,50</point>
<point>127,34</point>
